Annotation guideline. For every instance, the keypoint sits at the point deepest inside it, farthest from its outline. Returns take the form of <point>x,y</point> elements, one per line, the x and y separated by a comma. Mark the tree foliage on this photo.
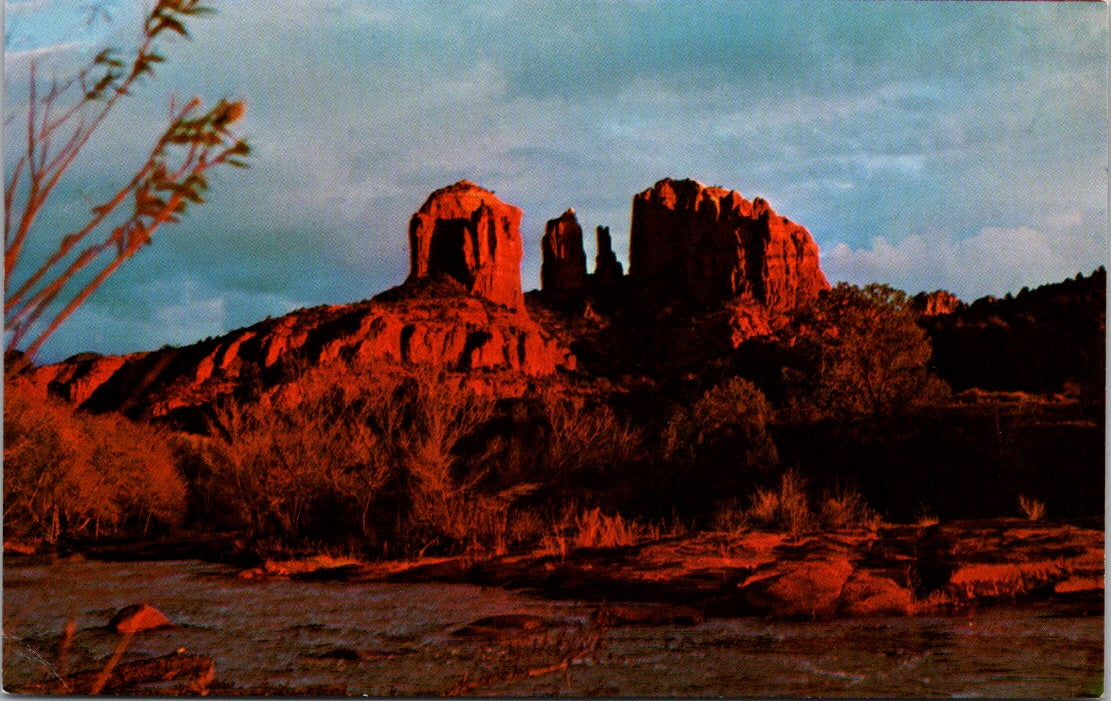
<point>61,117</point>
<point>69,474</point>
<point>862,352</point>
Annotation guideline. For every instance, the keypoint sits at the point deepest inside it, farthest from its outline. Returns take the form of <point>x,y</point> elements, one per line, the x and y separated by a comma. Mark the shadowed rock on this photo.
<point>607,270</point>
<point>706,245</point>
<point>937,303</point>
<point>563,267</point>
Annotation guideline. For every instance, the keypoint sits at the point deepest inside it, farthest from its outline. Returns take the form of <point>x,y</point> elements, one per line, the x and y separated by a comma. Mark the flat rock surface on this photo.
<point>895,570</point>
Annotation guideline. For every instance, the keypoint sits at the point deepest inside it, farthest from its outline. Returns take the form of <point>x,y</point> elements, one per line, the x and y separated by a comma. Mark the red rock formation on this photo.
<point>607,270</point>
<point>705,245</point>
<point>563,267</point>
<point>457,333</point>
<point>937,303</point>
<point>461,310</point>
<point>467,233</point>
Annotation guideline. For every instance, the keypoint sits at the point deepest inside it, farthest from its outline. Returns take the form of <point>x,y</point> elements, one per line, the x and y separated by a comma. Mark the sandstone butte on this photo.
<point>462,308</point>
<point>467,233</point>
<point>708,245</point>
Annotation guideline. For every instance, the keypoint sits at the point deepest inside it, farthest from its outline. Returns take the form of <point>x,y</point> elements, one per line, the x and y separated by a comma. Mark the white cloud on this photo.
<point>994,261</point>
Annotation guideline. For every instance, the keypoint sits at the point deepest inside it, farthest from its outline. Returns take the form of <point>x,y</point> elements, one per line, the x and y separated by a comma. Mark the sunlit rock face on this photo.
<point>937,303</point>
<point>466,232</point>
<point>707,245</point>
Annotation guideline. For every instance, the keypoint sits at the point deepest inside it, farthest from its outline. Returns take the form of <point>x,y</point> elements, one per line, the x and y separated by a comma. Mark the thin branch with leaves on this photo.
<point>173,175</point>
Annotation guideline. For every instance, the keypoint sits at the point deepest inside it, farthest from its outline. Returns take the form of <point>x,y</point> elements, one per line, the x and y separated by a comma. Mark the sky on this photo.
<point>927,145</point>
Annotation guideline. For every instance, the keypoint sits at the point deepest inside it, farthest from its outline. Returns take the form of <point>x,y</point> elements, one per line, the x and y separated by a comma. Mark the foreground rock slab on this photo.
<point>896,570</point>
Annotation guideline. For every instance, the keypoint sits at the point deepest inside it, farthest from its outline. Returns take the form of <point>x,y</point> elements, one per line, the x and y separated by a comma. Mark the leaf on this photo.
<point>171,24</point>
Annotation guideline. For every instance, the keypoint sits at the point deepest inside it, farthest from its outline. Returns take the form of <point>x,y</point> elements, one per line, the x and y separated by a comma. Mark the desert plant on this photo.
<point>441,411</point>
<point>845,508</point>
<point>312,457</point>
<point>730,517</point>
<point>60,119</point>
<point>729,420</point>
<point>338,452</point>
<point>786,508</point>
<point>592,528</point>
<point>1033,509</point>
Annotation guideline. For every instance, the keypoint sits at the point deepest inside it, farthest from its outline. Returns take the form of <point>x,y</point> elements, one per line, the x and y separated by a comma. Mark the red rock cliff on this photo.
<point>707,245</point>
<point>466,232</point>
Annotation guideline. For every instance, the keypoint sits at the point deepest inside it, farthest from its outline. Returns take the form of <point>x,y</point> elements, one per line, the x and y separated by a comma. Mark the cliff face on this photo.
<point>706,245</point>
<point>467,233</point>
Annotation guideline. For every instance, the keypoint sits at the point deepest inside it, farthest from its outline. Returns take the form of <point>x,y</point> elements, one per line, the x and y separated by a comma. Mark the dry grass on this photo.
<point>1033,509</point>
<point>594,529</point>
<point>846,508</point>
<point>786,508</point>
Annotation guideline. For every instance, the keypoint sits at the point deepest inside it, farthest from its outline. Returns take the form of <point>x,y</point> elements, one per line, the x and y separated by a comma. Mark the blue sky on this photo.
<point>957,145</point>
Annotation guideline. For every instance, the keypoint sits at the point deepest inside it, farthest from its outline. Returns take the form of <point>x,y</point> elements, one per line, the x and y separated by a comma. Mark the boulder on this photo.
<point>867,593</point>
<point>138,617</point>
<point>802,589</point>
<point>705,245</point>
<point>467,233</point>
<point>563,267</point>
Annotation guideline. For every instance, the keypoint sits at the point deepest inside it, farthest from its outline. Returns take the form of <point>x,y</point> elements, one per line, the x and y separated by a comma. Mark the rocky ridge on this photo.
<point>563,270</point>
<point>709,270</point>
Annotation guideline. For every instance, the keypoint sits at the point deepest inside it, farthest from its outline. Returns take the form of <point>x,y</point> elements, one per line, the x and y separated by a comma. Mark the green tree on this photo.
<point>862,352</point>
<point>60,119</point>
<point>718,447</point>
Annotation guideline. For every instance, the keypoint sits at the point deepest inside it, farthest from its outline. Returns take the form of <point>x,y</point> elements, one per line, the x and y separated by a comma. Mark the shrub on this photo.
<point>592,528</point>
<point>846,508</point>
<point>730,517</point>
<point>786,508</point>
<point>72,474</point>
<point>344,453</point>
<point>717,447</point>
